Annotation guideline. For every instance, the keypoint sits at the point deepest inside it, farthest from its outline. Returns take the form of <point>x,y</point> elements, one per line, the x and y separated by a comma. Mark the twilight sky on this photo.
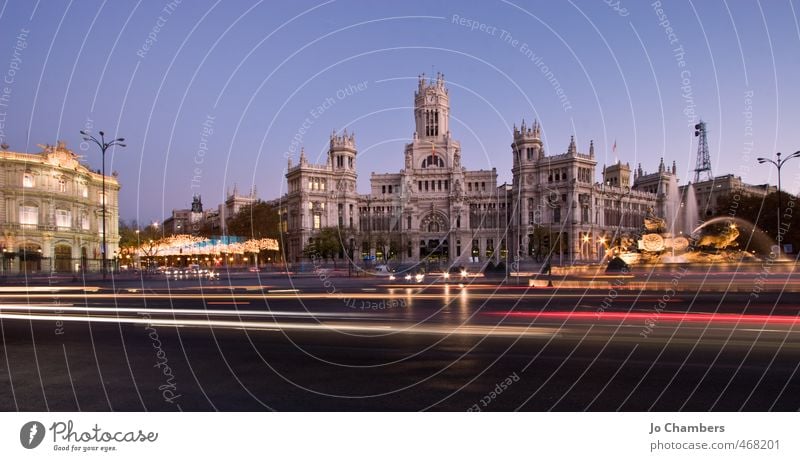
<point>211,93</point>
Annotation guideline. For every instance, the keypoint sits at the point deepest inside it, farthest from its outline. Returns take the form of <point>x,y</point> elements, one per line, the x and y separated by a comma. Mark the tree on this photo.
<point>328,243</point>
<point>762,212</point>
<point>539,243</point>
<point>387,244</point>
<point>127,234</point>
<point>256,221</point>
<point>128,237</point>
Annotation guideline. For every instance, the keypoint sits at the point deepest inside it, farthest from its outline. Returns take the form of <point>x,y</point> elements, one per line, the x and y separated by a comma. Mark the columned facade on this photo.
<point>51,212</point>
<point>436,210</point>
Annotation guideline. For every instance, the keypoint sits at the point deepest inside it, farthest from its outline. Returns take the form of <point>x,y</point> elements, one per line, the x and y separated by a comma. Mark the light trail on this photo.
<point>665,316</point>
<point>158,311</point>
<point>336,296</point>
<point>444,330</point>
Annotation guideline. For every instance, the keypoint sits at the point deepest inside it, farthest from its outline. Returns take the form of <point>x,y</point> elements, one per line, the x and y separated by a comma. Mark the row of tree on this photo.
<point>762,212</point>
<point>257,221</point>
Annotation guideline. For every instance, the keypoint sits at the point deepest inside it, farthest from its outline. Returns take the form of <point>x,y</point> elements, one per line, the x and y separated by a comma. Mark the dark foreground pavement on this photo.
<point>496,349</point>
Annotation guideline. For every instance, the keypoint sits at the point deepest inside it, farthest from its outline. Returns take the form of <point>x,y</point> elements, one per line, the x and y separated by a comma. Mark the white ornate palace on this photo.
<point>436,209</point>
<point>51,212</point>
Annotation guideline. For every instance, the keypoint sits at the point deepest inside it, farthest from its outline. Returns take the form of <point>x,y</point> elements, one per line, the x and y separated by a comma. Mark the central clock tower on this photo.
<point>431,109</point>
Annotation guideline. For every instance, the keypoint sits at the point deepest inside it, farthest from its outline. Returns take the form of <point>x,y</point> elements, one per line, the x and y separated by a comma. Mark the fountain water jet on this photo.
<point>690,216</point>
<point>673,208</point>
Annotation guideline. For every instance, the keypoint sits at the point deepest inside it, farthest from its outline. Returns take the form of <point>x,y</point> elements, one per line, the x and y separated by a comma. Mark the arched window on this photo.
<point>433,161</point>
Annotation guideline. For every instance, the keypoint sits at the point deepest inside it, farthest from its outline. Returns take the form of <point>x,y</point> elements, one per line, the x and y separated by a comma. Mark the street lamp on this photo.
<point>137,258</point>
<point>586,239</point>
<point>778,164</point>
<point>103,145</point>
<point>602,242</point>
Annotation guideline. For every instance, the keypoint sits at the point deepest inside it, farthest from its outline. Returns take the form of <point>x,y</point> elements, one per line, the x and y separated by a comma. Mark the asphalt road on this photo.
<point>370,344</point>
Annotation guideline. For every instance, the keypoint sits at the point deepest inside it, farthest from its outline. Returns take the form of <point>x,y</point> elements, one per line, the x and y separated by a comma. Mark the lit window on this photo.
<point>317,221</point>
<point>29,215</point>
<point>27,180</point>
<point>63,218</point>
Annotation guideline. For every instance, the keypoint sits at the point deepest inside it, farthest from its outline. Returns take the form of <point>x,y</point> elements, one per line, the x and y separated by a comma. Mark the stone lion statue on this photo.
<point>719,241</point>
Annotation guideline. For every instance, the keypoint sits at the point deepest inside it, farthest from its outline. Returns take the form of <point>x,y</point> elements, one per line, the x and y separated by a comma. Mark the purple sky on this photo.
<point>235,81</point>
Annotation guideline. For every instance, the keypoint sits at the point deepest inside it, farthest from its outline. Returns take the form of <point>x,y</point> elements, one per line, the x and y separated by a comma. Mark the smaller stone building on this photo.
<point>51,212</point>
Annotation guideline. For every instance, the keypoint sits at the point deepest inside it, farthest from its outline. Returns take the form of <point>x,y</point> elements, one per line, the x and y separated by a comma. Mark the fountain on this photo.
<point>719,240</point>
<point>673,206</point>
<point>691,217</point>
<point>673,235</point>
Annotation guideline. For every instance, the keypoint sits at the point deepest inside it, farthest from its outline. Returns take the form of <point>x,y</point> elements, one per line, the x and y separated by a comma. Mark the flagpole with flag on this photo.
<point>614,151</point>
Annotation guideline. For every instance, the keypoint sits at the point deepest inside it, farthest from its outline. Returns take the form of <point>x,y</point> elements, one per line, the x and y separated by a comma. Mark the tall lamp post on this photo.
<point>103,145</point>
<point>778,162</point>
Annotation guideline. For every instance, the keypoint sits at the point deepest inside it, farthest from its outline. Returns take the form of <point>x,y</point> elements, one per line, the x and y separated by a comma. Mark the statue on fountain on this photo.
<point>653,223</point>
<point>726,238</point>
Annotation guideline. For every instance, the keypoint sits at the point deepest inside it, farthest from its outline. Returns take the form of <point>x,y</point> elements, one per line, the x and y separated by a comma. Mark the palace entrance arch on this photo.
<point>434,248</point>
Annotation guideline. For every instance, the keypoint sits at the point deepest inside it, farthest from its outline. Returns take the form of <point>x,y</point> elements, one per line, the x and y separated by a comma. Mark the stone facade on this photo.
<point>563,211</point>
<point>51,212</point>
<point>437,210</point>
<point>708,193</point>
